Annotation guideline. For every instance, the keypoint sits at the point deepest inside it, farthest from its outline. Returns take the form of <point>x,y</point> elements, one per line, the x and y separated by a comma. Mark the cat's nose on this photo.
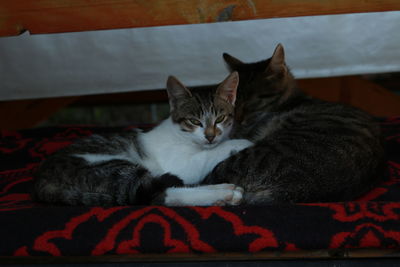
<point>210,138</point>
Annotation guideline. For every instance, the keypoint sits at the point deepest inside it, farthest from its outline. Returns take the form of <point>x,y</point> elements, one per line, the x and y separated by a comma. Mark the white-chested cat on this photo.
<point>151,167</point>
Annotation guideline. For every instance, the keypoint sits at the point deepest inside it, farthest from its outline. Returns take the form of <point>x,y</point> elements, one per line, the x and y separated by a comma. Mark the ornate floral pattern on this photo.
<point>33,229</point>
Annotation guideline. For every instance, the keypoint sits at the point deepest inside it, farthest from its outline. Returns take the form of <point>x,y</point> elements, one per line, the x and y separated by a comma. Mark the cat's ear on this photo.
<point>176,90</point>
<point>228,88</point>
<point>277,62</point>
<point>232,62</point>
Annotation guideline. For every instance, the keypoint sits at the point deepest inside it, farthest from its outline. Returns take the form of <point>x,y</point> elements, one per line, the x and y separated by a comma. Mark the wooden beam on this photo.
<point>179,258</point>
<point>22,114</point>
<point>53,16</point>
<point>137,97</point>
<point>355,91</point>
<point>351,90</point>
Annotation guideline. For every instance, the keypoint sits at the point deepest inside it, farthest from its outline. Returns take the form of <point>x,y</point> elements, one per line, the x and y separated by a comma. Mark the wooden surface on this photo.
<point>52,16</point>
<point>355,91</point>
<point>23,114</point>
<point>179,258</point>
<point>352,90</point>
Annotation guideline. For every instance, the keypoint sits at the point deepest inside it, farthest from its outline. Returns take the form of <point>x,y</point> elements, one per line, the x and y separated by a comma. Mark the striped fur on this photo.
<point>69,179</point>
<point>307,150</point>
<point>137,167</point>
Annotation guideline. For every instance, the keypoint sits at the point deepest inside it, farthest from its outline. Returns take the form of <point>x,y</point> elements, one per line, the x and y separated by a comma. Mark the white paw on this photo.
<point>237,196</point>
<point>239,144</point>
<point>240,189</point>
<point>219,186</point>
<point>229,196</point>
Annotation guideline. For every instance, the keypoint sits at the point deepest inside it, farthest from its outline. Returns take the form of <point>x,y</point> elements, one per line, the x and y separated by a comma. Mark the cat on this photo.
<point>151,167</point>
<point>306,150</point>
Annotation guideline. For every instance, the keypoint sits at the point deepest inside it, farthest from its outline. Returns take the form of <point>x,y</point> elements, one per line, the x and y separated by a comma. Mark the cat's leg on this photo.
<point>221,186</point>
<point>202,196</point>
<point>226,149</point>
<point>212,157</point>
<point>200,164</point>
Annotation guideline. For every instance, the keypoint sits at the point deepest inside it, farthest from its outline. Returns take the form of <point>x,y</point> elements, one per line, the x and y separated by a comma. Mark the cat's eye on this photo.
<point>220,119</point>
<point>195,122</point>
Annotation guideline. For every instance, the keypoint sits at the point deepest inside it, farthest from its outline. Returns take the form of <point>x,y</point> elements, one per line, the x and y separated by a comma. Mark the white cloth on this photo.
<point>34,66</point>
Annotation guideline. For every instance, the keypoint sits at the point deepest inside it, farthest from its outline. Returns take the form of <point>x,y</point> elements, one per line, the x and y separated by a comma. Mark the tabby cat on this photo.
<point>151,167</point>
<point>306,150</point>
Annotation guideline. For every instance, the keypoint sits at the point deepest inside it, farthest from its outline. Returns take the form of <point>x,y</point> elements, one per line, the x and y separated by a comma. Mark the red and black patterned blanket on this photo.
<point>32,229</point>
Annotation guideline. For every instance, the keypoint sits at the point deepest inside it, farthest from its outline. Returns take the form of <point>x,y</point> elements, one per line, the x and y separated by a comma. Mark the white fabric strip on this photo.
<point>34,66</point>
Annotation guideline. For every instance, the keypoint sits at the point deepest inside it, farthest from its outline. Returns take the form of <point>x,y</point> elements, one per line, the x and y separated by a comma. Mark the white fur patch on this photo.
<point>167,149</point>
<point>203,196</point>
<point>96,158</point>
<point>170,150</point>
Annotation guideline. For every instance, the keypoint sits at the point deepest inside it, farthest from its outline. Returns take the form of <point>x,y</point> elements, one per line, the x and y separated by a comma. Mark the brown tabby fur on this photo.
<point>307,150</point>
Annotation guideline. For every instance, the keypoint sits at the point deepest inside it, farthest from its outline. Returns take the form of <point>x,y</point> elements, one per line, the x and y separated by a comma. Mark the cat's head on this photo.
<point>264,85</point>
<point>204,116</point>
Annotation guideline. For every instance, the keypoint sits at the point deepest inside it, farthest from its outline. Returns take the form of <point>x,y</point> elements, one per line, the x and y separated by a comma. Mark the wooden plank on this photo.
<point>351,90</point>
<point>22,114</point>
<point>52,16</point>
<point>139,97</point>
<point>192,257</point>
<point>355,91</point>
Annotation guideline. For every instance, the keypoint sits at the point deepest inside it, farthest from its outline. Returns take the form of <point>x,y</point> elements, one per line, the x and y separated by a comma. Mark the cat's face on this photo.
<point>263,85</point>
<point>205,117</point>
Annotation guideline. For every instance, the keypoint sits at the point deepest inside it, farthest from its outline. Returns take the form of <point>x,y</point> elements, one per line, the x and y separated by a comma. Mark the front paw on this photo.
<point>239,144</point>
<point>222,186</point>
<point>229,197</point>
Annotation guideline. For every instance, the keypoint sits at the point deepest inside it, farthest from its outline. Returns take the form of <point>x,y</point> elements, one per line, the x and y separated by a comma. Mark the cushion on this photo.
<point>37,229</point>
